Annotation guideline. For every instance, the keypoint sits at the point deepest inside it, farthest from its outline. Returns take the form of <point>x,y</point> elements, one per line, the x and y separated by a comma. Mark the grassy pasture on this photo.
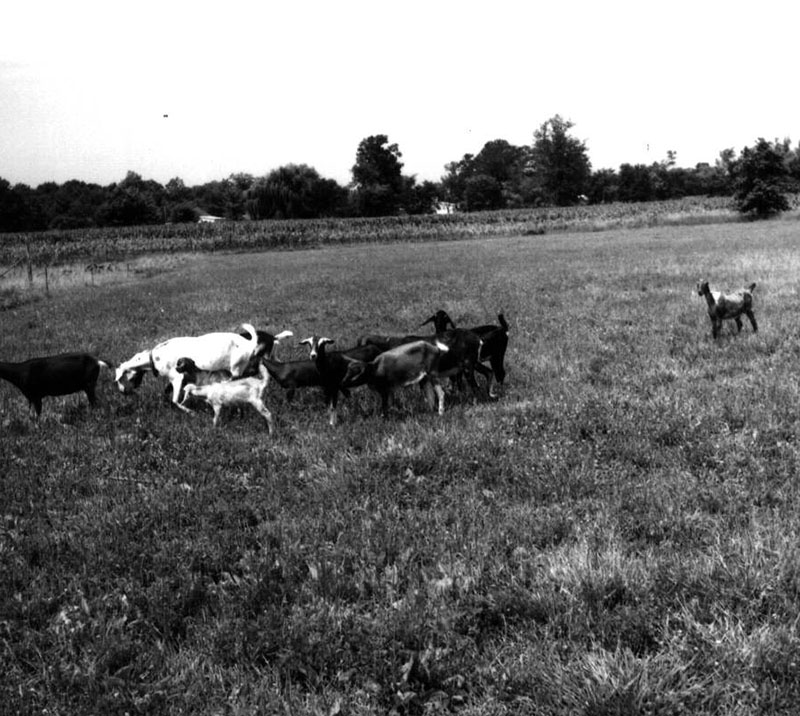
<point>618,534</point>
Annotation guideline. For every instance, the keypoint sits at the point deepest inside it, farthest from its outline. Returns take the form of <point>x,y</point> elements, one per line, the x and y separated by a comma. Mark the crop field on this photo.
<point>618,533</point>
<point>98,246</point>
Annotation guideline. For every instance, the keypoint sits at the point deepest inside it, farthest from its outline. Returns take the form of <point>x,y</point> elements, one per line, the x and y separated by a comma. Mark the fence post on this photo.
<point>30,261</point>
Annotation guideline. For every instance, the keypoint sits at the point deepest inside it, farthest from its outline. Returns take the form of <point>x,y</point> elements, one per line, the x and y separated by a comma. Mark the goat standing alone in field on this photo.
<point>62,374</point>
<point>728,306</point>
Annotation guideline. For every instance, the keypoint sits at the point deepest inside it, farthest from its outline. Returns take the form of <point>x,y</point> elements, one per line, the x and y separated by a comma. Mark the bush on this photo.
<point>762,200</point>
<point>183,213</point>
<point>761,180</point>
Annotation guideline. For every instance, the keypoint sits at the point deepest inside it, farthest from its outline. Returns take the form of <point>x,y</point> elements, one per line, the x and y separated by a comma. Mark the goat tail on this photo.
<point>503,323</point>
<point>250,328</point>
<point>751,287</point>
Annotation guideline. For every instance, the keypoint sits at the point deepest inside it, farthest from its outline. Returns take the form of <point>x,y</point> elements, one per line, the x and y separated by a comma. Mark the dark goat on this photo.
<point>463,349</point>
<point>408,364</point>
<point>463,354</point>
<point>728,306</point>
<point>62,374</point>
<point>293,374</point>
<point>493,349</point>
<point>332,367</point>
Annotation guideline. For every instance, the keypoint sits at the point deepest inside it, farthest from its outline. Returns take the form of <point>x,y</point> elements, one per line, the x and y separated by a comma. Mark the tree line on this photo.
<point>554,170</point>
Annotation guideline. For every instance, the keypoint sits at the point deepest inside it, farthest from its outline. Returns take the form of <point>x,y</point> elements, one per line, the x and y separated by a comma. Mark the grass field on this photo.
<point>618,534</point>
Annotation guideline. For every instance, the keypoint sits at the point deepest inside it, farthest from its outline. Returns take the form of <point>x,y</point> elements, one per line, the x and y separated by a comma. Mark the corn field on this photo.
<point>113,244</point>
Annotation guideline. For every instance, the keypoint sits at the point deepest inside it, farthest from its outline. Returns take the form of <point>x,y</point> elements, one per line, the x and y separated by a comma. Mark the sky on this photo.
<point>199,90</point>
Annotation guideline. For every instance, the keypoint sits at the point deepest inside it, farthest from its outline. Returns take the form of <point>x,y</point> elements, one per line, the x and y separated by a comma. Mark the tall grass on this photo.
<point>617,534</point>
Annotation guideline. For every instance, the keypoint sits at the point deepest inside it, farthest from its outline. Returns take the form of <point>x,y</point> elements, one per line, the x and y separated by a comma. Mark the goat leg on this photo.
<point>469,375</point>
<point>487,373</point>
<point>385,402</point>
<point>430,393</point>
<point>267,415</point>
<point>332,400</point>
<point>440,395</point>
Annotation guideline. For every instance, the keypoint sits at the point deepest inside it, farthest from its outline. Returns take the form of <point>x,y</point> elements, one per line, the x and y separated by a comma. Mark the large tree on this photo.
<point>559,163</point>
<point>491,179</point>
<point>294,191</point>
<point>603,187</point>
<point>635,183</point>
<point>419,198</point>
<point>482,192</point>
<point>453,182</point>
<point>132,201</point>
<point>13,210</point>
<point>377,177</point>
<point>221,198</point>
<point>761,179</point>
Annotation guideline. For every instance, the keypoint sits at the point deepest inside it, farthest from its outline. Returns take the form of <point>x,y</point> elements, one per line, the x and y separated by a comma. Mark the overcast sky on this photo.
<point>200,90</point>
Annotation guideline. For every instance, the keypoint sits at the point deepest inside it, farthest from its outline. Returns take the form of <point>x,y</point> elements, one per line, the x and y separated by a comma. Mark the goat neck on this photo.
<point>440,321</point>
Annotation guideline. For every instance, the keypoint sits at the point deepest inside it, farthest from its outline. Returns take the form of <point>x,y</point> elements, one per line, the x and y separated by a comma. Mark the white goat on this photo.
<point>408,364</point>
<point>728,306</point>
<point>212,351</point>
<point>242,391</point>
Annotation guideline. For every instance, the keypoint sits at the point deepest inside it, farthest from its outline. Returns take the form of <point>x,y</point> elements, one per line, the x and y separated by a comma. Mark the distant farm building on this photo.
<point>445,207</point>
<point>209,219</point>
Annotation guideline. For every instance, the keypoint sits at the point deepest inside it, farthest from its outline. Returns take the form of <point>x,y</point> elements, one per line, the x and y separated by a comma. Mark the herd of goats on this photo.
<point>227,369</point>
<point>231,369</point>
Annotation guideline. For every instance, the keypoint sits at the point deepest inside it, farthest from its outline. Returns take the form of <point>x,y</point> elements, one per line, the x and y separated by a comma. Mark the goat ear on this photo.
<point>430,320</point>
<point>306,342</point>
